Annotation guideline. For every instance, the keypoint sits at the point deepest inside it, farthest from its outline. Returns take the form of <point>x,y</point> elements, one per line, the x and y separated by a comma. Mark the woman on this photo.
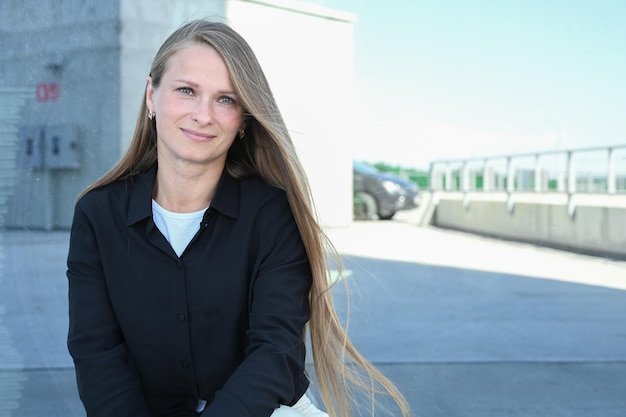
<point>196,262</point>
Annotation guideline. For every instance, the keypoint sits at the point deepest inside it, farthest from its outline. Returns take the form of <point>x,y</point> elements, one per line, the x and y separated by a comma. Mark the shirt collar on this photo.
<point>225,201</point>
<point>227,195</point>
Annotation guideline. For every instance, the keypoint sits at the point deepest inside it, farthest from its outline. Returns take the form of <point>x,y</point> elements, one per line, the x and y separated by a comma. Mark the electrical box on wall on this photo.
<point>49,147</point>
<point>61,147</point>
<point>30,147</point>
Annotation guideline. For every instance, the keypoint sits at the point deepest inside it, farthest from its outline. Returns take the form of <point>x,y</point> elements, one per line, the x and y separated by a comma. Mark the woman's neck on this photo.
<point>186,189</point>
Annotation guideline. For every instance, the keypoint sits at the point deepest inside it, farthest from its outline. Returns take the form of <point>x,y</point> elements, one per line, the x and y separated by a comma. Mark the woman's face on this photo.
<point>197,111</point>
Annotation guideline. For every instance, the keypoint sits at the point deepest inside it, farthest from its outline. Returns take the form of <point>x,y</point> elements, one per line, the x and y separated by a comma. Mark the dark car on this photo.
<point>380,195</point>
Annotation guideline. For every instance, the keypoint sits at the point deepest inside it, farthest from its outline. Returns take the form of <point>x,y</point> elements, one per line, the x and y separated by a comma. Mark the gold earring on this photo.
<point>242,133</point>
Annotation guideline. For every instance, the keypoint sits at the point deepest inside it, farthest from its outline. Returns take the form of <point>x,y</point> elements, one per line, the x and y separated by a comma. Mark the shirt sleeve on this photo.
<point>272,372</point>
<point>107,385</point>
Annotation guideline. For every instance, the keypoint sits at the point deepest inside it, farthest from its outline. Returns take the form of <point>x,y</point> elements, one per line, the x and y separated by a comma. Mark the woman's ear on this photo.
<point>244,123</point>
<point>150,94</point>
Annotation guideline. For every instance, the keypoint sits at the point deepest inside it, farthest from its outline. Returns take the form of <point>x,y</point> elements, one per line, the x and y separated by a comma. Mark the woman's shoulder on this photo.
<point>101,194</point>
<point>116,193</point>
<point>257,189</point>
<point>265,208</point>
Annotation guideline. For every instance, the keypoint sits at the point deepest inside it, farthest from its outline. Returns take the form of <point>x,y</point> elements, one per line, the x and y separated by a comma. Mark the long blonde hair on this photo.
<point>268,152</point>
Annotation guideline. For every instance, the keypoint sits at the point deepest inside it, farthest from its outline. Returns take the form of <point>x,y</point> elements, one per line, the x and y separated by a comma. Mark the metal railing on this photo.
<point>586,170</point>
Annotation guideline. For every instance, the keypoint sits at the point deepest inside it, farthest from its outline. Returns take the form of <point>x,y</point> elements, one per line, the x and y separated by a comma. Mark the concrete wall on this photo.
<point>73,45</point>
<point>307,55</point>
<point>585,223</point>
<point>11,103</point>
<point>97,55</point>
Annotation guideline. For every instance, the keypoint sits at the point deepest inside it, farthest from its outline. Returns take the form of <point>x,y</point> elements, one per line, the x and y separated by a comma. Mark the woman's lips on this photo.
<point>197,136</point>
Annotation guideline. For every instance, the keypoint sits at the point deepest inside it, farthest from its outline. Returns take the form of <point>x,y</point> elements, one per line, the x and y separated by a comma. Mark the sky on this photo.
<point>438,79</point>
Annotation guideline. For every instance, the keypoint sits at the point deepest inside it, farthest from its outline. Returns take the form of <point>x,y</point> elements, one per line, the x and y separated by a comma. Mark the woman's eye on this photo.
<point>226,100</point>
<point>186,90</point>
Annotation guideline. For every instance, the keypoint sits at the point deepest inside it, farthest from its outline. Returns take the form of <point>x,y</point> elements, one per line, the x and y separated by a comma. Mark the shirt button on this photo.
<point>181,317</point>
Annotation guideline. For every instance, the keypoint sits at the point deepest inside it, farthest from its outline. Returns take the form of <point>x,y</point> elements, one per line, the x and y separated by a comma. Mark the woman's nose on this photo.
<point>203,114</point>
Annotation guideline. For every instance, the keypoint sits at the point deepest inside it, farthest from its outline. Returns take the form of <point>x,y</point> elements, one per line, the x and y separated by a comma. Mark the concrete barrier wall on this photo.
<point>585,223</point>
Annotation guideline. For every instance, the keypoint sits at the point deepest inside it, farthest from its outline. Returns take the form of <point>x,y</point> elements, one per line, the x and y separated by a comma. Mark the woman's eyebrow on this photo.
<point>196,85</point>
<point>183,81</point>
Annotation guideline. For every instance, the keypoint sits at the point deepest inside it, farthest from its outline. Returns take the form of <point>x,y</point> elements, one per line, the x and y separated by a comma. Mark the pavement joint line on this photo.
<point>496,362</point>
<point>37,369</point>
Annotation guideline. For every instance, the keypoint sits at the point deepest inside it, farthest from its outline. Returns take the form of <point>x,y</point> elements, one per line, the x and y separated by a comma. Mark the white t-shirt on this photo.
<point>178,228</point>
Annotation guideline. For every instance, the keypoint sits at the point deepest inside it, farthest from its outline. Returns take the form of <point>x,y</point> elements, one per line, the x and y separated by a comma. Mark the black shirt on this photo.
<point>150,332</point>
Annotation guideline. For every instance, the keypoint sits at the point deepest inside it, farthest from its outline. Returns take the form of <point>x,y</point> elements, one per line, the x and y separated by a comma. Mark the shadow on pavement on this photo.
<point>461,342</point>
